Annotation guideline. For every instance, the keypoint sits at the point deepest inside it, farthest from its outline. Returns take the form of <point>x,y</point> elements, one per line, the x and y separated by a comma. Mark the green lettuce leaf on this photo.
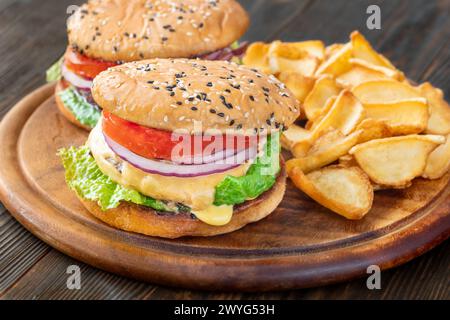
<point>54,72</point>
<point>81,109</point>
<point>260,177</point>
<point>85,178</point>
<point>235,45</point>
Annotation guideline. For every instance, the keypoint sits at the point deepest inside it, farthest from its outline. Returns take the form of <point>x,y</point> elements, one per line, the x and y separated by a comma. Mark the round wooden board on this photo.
<point>300,245</point>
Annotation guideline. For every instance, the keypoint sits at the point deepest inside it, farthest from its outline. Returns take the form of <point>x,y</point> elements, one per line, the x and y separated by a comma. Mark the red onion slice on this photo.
<point>75,79</point>
<point>203,159</point>
<point>165,168</point>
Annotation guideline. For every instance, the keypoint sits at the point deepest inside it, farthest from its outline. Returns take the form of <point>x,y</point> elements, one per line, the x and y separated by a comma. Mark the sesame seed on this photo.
<point>194,108</point>
<point>212,110</point>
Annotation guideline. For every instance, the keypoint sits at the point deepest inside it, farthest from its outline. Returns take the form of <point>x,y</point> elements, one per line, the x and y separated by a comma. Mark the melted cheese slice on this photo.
<point>215,215</point>
<point>195,192</point>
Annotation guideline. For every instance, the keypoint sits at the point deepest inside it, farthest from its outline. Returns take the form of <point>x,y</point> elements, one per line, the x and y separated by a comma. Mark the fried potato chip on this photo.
<point>384,91</point>
<point>344,115</point>
<point>373,129</point>
<point>256,56</point>
<point>293,135</point>
<point>346,191</point>
<point>395,161</point>
<point>299,85</point>
<point>338,62</point>
<point>329,151</point>
<point>438,162</point>
<point>324,88</point>
<point>439,121</point>
<point>363,50</point>
<point>402,117</point>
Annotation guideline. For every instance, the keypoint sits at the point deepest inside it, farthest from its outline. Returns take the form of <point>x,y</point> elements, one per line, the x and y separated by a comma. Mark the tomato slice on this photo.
<point>158,144</point>
<point>83,65</point>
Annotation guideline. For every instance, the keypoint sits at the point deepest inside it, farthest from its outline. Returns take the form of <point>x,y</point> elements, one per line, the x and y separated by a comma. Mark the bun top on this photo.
<point>128,30</point>
<point>172,94</point>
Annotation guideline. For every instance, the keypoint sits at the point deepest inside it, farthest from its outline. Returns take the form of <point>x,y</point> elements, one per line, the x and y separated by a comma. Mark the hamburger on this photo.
<point>105,33</point>
<point>183,148</point>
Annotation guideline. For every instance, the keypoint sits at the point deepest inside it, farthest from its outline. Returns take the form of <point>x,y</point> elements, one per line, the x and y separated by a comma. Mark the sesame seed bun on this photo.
<point>127,30</point>
<point>65,111</point>
<point>134,218</point>
<point>172,94</point>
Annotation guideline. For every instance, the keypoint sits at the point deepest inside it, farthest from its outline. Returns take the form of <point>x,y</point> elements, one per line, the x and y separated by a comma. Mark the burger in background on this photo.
<point>105,33</point>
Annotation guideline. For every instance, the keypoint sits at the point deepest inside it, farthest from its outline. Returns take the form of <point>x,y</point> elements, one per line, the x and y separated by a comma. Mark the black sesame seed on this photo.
<point>194,108</point>
<point>209,84</point>
<point>156,88</point>
<point>221,114</point>
<point>172,93</point>
<point>201,25</point>
<point>164,39</point>
<point>250,81</point>
<point>268,122</point>
<point>232,122</point>
<point>167,26</point>
<point>265,89</point>
<point>126,34</point>
<point>252,98</point>
<point>179,103</point>
<point>151,81</point>
<point>239,127</point>
<point>228,90</point>
<point>191,99</point>
<point>212,111</point>
<point>141,55</point>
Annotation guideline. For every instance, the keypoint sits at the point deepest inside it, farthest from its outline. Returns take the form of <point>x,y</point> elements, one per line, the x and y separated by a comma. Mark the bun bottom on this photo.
<point>134,218</point>
<point>65,110</point>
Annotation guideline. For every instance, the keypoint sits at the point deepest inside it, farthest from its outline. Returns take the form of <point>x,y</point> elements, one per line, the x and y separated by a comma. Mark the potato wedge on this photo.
<point>373,129</point>
<point>338,62</point>
<point>402,117</point>
<point>305,66</point>
<point>344,115</point>
<point>390,73</point>
<point>256,56</point>
<point>322,113</point>
<point>346,191</point>
<point>315,48</point>
<point>438,162</point>
<point>395,161</point>
<point>332,49</point>
<point>325,154</point>
<point>439,121</point>
<point>293,135</point>
<point>324,88</point>
<point>379,187</point>
<point>347,161</point>
<point>384,91</point>
<point>357,75</point>
<point>363,50</point>
<point>300,85</point>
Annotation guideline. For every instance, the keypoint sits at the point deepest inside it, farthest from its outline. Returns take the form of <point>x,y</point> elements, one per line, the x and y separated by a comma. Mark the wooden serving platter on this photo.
<point>300,245</point>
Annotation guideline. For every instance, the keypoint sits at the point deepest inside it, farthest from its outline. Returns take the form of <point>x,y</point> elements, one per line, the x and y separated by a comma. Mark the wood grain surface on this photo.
<point>415,36</point>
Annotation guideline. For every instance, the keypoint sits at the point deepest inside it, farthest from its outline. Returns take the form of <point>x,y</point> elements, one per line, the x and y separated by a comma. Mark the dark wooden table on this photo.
<point>415,36</point>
